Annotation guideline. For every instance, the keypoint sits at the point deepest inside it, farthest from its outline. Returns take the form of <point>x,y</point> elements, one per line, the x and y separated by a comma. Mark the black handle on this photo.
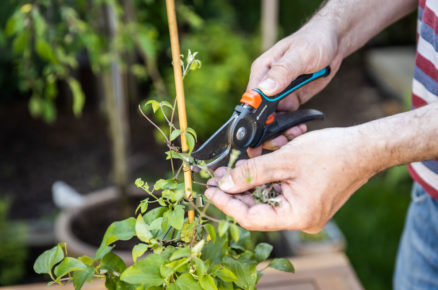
<point>269,104</point>
<point>284,121</point>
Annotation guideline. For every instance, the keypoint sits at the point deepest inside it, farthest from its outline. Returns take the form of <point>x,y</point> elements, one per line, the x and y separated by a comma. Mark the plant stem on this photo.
<point>204,184</point>
<point>155,125</point>
<point>202,214</point>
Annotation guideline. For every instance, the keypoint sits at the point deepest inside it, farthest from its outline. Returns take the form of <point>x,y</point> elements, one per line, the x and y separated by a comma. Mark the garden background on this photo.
<point>61,62</point>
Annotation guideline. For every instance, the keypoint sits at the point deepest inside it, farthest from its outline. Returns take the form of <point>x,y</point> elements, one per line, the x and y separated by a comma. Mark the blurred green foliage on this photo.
<point>372,222</point>
<point>213,91</point>
<point>48,39</point>
<point>12,248</point>
<point>44,46</point>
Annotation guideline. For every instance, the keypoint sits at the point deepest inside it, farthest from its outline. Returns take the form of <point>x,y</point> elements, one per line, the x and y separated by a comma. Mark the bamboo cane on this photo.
<point>174,43</point>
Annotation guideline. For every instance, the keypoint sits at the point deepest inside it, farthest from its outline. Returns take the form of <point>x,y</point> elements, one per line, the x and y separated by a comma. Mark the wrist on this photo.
<point>400,139</point>
<point>329,19</point>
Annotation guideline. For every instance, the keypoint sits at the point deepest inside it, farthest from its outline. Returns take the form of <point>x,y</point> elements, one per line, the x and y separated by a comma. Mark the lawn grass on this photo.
<point>372,222</point>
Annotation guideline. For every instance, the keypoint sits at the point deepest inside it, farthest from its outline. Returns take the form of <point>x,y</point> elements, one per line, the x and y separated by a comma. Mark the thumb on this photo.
<point>255,171</point>
<point>281,74</point>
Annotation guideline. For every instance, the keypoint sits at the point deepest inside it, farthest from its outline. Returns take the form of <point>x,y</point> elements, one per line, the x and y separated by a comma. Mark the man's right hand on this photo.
<point>310,49</point>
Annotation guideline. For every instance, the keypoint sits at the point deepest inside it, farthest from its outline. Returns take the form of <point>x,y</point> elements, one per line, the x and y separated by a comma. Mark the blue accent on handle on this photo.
<point>314,76</point>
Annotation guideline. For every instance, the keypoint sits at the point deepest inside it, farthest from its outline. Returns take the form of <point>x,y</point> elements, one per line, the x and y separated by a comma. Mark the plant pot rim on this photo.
<point>63,225</point>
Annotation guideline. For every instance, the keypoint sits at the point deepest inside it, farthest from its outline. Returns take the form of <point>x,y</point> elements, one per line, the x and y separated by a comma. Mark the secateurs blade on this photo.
<point>254,121</point>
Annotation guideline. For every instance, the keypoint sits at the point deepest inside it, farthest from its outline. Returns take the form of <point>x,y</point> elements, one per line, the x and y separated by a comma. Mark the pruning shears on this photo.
<point>254,121</point>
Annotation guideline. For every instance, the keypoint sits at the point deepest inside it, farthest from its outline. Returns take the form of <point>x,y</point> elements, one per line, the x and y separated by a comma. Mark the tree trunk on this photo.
<point>269,23</point>
<point>116,109</point>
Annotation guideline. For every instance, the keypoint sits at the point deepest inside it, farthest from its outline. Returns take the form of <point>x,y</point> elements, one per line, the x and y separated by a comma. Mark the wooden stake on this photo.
<point>177,72</point>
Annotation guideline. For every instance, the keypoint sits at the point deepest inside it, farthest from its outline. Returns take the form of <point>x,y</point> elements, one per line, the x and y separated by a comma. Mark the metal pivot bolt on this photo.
<point>241,133</point>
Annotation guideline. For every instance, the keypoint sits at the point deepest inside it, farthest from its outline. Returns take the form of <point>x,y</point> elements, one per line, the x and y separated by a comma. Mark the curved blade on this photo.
<point>217,144</point>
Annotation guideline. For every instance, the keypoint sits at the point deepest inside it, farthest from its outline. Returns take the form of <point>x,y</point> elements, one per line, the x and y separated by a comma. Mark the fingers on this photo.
<point>275,143</point>
<point>262,64</point>
<point>287,136</point>
<point>260,217</point>
<point>296,131</point>
<point>256,171</point>
<point>282,73</point>
<point>254,152</point>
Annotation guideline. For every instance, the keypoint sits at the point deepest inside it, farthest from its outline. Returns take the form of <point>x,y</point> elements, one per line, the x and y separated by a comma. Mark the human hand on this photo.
<point>310,49</point>
<point>318,172</point>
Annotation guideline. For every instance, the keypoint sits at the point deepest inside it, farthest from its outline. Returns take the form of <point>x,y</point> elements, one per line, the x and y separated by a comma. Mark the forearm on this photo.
<point>399,139</point>
<point>358,21</point>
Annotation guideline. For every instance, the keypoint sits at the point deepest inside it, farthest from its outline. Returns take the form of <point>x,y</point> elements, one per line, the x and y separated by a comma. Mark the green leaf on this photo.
<point>207,282</point>
<point>225,285</point>
<point>146,271</point>
<point>158,249</point>
<point>86,260</point>
<point>226,274</point>
<point>69,265</point>
<point>138,251</point>
<point>10,26</point>
<point>35,106</point>
<point>175,133</point>
<point>168,251</point>
<point>122,230</point>
<point>156,224</point>
<point>190,141</point>
<point>51,90</point>
<point>201,268</point>
<point>39,23</point>
<point>176,217</point>
<point>211,232</point>
<point>187,282</point>
<point>139,182</point>
<point>45,51</point>
<point>193,132</point>
<point>142,230</point>
<point>234,230</point>
<point>153,214</point>
<point>196,249</point>
<point>262,251</point>
<point>166,104</point>
<point>282,264</point>
<point>215,251</point>
<point>167,270</point>
<point>180,253</point>
<point>188,231</point>
<point>223,227</point>
<point>102,251</point>
<point>45,262</point>
<point>245,271</point>
<point>49,111</point>
<point>78,96</point>
<point>112,262</point>
<point>155,105</point>
<point>146,44</point>
<point>80,277</point>
<point>161,184</point>
<point>20,42</point>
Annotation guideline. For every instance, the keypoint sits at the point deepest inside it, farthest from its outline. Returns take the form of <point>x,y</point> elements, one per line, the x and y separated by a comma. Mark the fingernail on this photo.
<point>268,86</point>
<point>226,183</point>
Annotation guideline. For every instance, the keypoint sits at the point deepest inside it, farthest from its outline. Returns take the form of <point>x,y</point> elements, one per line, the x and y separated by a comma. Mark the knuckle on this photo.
<point>281,68</point>
<point>257,64</point>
